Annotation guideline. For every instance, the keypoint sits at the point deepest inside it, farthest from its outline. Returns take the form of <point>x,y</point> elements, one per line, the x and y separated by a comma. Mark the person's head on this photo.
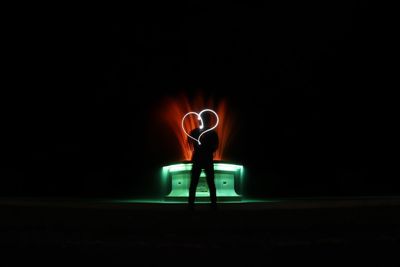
<point>207,118</point>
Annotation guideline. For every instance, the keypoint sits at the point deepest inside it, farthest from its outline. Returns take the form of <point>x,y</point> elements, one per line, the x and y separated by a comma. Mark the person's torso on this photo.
<point>208,145</point>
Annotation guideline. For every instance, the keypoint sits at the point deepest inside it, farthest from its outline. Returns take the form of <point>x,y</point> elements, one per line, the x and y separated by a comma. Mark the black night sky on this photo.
<point>300,80</point>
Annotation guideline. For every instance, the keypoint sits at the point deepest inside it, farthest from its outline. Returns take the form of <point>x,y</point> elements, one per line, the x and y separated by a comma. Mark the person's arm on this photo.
<point>190,142</point>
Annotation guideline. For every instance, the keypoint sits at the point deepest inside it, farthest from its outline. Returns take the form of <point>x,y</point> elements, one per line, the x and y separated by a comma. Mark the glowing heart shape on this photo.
<point>201,123</point>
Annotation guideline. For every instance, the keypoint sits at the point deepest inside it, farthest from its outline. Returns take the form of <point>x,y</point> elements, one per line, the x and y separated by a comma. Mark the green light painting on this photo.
<point>228,181</point>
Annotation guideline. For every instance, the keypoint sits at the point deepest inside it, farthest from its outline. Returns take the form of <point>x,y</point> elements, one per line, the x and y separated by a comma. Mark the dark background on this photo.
<point>301,80</point>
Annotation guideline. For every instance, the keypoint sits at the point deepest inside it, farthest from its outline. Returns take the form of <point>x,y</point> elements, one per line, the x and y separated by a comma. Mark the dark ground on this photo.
<point>324,232</point>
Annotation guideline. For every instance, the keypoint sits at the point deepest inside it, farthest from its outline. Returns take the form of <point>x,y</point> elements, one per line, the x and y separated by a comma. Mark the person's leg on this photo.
<point>209,170</point>
<point>194,180</point>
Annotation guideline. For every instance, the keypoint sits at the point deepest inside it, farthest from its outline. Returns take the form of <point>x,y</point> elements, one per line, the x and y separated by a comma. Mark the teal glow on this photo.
<point>178,201</point>
<point>188,167</point>
<point>228,167</point>
<point>228,181</point>
<point>178,167</point>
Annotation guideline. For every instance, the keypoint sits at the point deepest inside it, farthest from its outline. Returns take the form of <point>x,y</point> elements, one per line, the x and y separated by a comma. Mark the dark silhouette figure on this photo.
<point>202,158</point>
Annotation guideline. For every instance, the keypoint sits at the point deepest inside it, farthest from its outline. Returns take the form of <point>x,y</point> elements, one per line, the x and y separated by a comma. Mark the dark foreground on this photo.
<point>330,232</point>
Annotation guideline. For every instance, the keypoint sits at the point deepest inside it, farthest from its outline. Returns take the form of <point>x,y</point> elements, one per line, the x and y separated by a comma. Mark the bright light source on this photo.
<point>228,181</point>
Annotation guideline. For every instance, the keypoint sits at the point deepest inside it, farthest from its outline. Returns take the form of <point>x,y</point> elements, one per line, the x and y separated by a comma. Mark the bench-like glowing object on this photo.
<point>228,181</point>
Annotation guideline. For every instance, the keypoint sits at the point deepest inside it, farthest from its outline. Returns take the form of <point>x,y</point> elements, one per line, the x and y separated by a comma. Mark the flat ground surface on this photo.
<point>292,232</point>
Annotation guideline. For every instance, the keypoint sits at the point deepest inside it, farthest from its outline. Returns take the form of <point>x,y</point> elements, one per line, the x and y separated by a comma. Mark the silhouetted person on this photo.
<point>202,158</point>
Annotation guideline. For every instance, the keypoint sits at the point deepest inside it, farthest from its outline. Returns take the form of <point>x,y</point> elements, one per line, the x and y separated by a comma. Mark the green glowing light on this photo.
<point>188,167</point>
<point>228,181</point>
